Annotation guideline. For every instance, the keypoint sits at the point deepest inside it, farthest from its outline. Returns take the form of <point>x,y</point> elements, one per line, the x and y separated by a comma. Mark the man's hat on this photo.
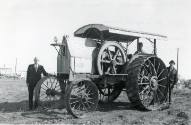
<point>171,62</point>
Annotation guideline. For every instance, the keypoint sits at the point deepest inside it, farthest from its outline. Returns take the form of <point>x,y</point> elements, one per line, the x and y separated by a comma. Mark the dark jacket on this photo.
<point>172,75</point>
<point>32,76</point>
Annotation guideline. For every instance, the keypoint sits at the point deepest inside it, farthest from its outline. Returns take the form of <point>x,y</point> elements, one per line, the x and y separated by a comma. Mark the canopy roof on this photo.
<point>103,32</point>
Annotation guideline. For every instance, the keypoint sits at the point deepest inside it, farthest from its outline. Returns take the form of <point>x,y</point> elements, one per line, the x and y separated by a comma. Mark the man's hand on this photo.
<point>53,75</point>
<point>27,84</point>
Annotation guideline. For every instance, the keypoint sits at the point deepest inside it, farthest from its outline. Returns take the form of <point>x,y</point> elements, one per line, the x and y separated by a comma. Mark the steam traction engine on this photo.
<point>142,75</point>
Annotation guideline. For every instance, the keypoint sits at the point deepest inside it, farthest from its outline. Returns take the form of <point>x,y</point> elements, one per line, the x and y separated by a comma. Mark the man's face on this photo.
<point>171,64</point>
<point>35,61</point>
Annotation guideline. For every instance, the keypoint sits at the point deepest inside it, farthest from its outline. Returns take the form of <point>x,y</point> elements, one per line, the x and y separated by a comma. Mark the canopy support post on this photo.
<point>155,49</point>
<point>137,44</point>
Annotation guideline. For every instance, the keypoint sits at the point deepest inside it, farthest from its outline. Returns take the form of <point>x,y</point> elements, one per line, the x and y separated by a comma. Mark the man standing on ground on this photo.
<point>172,77</point>
<point>34,72</point>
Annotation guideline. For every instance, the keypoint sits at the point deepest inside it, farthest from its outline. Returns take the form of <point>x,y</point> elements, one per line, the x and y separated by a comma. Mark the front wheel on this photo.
<point>81,97</point>
<point>48,94</point>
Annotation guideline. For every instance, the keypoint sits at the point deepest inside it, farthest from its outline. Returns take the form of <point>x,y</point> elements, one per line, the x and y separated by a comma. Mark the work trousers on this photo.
<point>31,91</point>
<point>170,89</point>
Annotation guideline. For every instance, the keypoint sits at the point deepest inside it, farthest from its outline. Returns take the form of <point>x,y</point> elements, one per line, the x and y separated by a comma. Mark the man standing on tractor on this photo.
<point>172,77</point>
<point>34,72</point>
<point>139,48</point>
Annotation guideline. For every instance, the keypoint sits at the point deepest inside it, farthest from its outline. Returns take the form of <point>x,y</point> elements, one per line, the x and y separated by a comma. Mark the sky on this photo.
<point>27,28</point>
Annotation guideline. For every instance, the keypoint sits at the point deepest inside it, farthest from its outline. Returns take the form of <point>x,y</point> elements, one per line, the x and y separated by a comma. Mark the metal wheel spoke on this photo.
<point>50,80</point>
<point>74,102</point>
<point>46,85</point>
<point>56,85</point>
<point>73,107</point>
<point>84,106</point>
<point>146,83</point>
<point>155,73</point>
<point>144,89</point>
<point>109,53</point>
<point>44,95</point>
<point>114,69</point>
<point>161,85</point>
<point>149,67</point>
<point>143,77</point>
<point>77,108</point>
<point>90,102</point>
<point>72,98</point>
<point>160,92</point>
<point>43,88</point>
<point>109,68</point>
<point>145,68</point>
<point>57,89</point>
<point>160,73</point>
<point>162,79</point>
<point>119,64</point>
<point>115,55</point>
<point>146,77</point>
<point>51,86</point>
<point>54,80</point>
<point>89,98</point>
<point>88,91</point>
<point>140,75</point>
<point>105,61</point>
<point>44,98</point>
<point>158,67</point>
<point>104,91</point>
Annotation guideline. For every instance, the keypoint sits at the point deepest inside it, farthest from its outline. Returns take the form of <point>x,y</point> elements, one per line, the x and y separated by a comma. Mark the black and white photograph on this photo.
<point>95,62</point>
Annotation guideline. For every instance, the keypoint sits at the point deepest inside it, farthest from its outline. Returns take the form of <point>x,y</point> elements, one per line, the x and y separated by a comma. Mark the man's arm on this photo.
<point>44,72</point>
<point>28,74</point>
<point>176,78</point>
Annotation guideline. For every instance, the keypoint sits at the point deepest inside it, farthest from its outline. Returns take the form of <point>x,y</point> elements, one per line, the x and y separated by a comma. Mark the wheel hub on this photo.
<point>50,92</point>
<point>154,83</point>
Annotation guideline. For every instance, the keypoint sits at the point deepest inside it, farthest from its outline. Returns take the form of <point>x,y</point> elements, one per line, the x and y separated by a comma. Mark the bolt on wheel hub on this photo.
<point>154,83</point>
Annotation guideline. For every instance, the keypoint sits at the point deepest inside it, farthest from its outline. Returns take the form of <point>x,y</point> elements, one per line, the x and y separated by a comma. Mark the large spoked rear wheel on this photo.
<point>111,58</point>
<point>81,97</point>
<point>147,82</point>
<point>48,94</point>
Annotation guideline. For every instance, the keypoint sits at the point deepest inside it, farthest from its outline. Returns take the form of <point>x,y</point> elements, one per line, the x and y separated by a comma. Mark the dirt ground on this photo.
<point>14,109</point>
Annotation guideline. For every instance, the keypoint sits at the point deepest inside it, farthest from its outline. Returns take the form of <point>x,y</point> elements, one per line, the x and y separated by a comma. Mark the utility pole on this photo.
<point>16,67</point>
<point>177,60</point>
<point>169,86</point>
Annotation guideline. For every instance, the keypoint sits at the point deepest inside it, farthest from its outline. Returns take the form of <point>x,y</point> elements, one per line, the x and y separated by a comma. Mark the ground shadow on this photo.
<point>52,115</point>
<point>105,107</point>
<point>44,115</point>
<point>22,106</point>
<point>14,106</point>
